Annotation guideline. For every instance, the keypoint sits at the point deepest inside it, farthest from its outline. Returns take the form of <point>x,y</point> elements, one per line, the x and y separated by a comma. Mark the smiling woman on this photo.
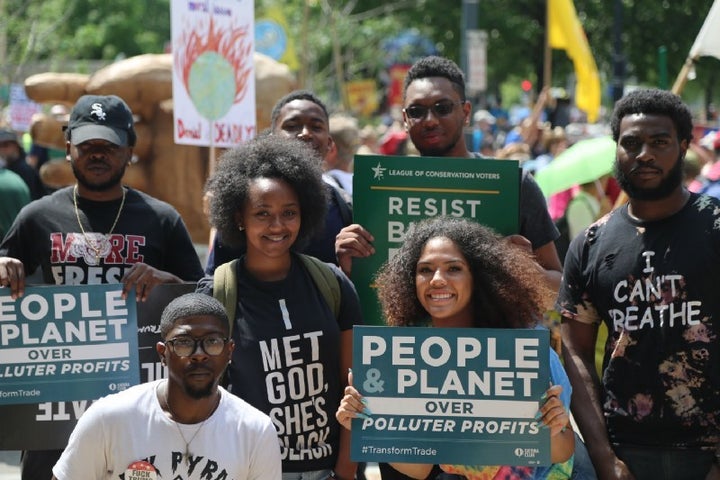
<point>454,272</point>
<point>270,219</point>
<point>457,257</point>
<point>269,197</point>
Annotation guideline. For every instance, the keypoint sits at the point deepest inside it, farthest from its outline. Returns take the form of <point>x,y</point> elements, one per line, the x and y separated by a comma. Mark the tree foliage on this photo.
<point>62,30</point>
<point>516,33</point>
<point>339,40</point>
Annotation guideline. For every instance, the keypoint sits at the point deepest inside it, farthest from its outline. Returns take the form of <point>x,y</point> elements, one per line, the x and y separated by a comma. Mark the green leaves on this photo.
<point>355,31</point>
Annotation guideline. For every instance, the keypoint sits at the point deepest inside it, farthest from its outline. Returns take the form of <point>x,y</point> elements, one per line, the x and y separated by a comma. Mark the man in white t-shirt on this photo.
<point>185,426</point>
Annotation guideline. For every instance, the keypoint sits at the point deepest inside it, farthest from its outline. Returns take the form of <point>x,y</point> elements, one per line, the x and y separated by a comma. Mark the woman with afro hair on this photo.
<point>292,346</point>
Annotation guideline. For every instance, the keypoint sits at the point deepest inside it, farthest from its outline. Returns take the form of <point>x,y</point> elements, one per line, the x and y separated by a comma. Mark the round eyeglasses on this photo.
<point>185,346</point>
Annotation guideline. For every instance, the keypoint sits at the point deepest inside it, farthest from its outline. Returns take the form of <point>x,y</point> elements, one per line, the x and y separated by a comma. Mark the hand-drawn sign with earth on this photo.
<point>215,67</point>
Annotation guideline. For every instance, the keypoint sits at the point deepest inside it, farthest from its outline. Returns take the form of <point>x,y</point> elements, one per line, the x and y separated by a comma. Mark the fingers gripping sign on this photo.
<point>12,275</point>
<point>352,405</point>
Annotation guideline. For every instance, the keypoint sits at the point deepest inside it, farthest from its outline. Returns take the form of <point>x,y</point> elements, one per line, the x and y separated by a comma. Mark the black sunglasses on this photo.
<point>440,109</point>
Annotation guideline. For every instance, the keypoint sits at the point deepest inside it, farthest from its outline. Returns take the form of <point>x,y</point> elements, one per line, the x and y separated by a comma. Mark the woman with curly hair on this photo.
<point>292,342</point>
<point>498,272</point>
<point>453,272</point>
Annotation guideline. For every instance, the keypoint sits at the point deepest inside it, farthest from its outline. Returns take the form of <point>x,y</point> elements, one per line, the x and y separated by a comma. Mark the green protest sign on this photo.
<point>390,193</point>
<point>61,343</point>
<point>42,424</point>
<point>464,396</point>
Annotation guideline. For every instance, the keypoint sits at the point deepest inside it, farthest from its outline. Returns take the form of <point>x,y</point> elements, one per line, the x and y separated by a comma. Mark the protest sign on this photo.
<point>21,108</point>
<point>40,425</point>
<point>60,343</point>
<point>463,396</point>
<point>213,72</point>
<point>390,193</point>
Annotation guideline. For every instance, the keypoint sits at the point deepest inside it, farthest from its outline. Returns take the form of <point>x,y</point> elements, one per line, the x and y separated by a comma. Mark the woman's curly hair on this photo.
<point>267,156</point>
<point>508,288</point>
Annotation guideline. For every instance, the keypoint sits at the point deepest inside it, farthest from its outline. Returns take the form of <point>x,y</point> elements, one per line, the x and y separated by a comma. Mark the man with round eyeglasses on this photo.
<point>181,426</point>
<point>186,346</point>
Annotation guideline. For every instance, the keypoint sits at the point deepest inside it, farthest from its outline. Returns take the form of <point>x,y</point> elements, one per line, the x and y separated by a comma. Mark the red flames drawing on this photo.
<point>233,44</point>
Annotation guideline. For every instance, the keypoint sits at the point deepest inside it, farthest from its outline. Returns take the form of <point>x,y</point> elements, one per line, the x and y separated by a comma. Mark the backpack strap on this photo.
<point>225,285</point>
<point>225,289</point>
<point>325,280</point>
<point>343,202</point>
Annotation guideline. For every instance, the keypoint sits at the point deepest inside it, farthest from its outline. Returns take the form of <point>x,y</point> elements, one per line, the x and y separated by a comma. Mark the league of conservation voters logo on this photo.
<point>379,173</point>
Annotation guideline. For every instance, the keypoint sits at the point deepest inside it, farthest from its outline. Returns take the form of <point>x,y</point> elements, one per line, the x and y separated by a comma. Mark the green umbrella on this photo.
<point>583,162</point>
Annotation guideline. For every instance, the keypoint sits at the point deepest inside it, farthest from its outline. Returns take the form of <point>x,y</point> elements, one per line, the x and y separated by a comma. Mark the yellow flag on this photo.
<point>566,33</point>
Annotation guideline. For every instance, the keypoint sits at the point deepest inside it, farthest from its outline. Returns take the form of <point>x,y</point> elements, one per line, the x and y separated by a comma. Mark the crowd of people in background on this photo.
<point>284,199</point>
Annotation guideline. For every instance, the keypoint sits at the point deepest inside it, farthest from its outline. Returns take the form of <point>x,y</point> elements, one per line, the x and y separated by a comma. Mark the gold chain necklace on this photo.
<point>188,453</point>
<point>95,246</point>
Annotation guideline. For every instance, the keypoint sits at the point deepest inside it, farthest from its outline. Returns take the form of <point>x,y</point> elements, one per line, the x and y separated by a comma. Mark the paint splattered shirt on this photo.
<point>655,285</point>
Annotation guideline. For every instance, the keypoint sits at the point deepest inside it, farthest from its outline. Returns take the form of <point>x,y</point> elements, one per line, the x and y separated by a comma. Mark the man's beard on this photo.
<point>668,185</point>
<point>200,393</point>
<point>97,187</point>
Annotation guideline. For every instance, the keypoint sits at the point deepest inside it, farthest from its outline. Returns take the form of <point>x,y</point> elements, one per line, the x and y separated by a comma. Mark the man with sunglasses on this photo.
<point>435,114</point>
<point>180,426</point>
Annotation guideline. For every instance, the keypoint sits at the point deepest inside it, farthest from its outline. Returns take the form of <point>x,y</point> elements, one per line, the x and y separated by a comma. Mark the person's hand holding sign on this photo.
<point>353,241</point>
<point>460,274</point>
<point>555,417</point>
<point>552,414</point>
<point>142,278</point>
<point>12,275</point>
<point>351,406</point>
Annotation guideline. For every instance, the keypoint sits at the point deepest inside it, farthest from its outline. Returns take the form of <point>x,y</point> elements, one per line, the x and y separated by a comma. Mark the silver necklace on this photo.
<point>96,246</point>
<point>188,453</point>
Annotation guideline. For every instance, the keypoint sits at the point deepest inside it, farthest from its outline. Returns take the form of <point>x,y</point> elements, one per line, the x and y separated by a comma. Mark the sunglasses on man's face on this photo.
<point>440,109</point>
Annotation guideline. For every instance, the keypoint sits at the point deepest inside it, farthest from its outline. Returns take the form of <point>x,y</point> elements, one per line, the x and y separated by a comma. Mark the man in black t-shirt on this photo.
<point>435,114</point>
<point>97,231</point>
<point>649,270</point>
